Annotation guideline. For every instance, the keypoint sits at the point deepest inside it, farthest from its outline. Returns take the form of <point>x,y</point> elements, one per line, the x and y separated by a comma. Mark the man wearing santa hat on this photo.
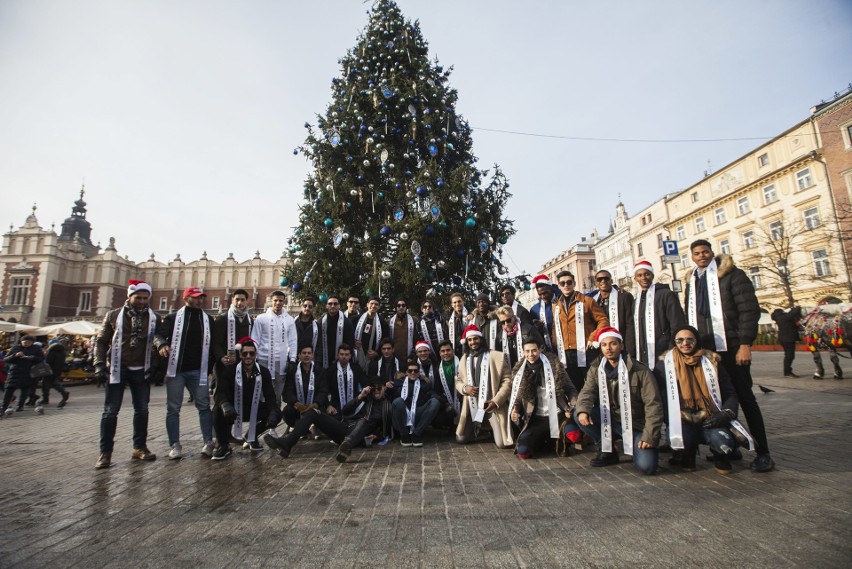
<point>483,378</point>
<point>620,399</point>
<point>656,315</point>
<point>123,351</point>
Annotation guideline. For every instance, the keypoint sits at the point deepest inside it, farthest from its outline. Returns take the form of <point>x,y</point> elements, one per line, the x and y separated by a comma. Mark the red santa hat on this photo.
<point>541,280</point>
<point>135,286</point>
<point>422,344</point>
<point>643,265</point>
<point>244,341</point>
<point>607,332</point>
<point>471,330</point>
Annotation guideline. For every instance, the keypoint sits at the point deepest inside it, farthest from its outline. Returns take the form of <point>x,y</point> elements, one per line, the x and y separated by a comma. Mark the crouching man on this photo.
<point>413,408</point>
<point>244,393</point>
<point>620,398</point>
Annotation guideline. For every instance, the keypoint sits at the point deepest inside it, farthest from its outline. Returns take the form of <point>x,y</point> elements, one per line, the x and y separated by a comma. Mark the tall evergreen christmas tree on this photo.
<point>396,205</point>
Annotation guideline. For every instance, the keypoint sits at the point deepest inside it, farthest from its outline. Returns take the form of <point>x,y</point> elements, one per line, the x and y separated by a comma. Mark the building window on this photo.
<point>770,195</point>
<point>699,224</point>
<point>85,301</point>
<point>776,230</point>
<point>743,206</point>
<point>719,215</point>
<point>659,240</point>
<point>754,275</point>
<point>725,246</point>
<point>763,160</point>
<point>681,233</point>
<point>639,250</point>
<point>684,261</point>
<point>694,197</point>
<point>215,303</point>
<point>164,303</point>
<point>748,240</point>
<point>19,291</point>
<point>822,267</point>
<point>803,179</point>
<point>811,216</point>
<point>848,130</point>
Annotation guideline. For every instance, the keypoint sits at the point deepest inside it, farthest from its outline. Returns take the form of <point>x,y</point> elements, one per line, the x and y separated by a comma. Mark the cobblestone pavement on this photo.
<point>442,505</point>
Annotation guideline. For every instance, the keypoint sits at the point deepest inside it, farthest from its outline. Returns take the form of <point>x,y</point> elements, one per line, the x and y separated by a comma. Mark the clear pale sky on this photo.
<point>182,116</point>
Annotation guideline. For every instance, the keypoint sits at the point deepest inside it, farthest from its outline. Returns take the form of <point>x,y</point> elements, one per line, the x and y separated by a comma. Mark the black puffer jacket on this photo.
<point>740,308</point>
<point>18,365</point>
<point>788,330</point>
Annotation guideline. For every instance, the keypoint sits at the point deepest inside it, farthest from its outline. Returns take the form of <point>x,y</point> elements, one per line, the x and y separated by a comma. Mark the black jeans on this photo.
<point>140,393</point>
<point>741,378</point>
<point>789,356</point>
<point>222,425</point>
<point>335,429</point>
<point>575,372</point>
<point>48,383</point>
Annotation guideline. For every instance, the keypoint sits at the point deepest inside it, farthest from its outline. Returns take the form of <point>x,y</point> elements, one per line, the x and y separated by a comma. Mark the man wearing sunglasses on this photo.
<point>507,298</point>
<point>334,329</point>
<point>430,329</point>
<point>617,304</point>
<point>307,329</point>
<point>401,328</point>
<point>513,334</point>
<point>413,407</point>
<point>576,320</point>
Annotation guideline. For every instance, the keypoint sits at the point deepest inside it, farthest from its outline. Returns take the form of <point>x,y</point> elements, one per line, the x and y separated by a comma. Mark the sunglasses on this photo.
<point>566,283</point>
<point>248,354</point>
<point>413,370</point>
<point>505,322</point>
<point>332,303</point>
<point>602,279</point>
<point>687,341</point>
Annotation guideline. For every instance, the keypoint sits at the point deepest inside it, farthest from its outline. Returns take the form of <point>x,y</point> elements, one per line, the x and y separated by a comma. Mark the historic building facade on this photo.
<point>50,277</point>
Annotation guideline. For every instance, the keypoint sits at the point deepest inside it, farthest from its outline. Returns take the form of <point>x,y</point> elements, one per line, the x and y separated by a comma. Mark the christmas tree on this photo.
<point>395,205</point>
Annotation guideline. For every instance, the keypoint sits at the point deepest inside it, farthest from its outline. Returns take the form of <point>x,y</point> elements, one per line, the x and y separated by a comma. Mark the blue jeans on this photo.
<point>422,418</point>
<point>644,459</point>
<point>140,393</point>
<point>174,399</point>
<point>720,439</point>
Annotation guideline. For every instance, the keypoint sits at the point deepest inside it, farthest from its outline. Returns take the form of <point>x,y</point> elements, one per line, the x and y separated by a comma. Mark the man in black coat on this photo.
<point>722,305</point>
<point>788,335</point>
<point>656,315</point>
<point>19,361</point>
<point>618,306</point>
<point>55,358</point>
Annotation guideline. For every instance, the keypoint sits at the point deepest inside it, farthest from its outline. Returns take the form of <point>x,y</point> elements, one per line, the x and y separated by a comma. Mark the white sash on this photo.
<point>519,341</point>
<point>579,331</point>
<point>714,295</point>
<point>477,406</point>
<point>542,315</point>
<point>452,327</point>
<point>338,338</point>
<point>174,355</point>
<point>375,335</point>
<point>117,338</point>
<point>315,327</point>
<point>623,391</point>
<point>410,322</point>
<point>232,328</point>
<point>439,334</point>
<point>550,389</point>
<point>300,389</point>
<point>612,307</point>
<point>276,341</point>
<point>345,391</point>
<point>713,387</point>
<point>448,385</point>
<point>238,403</point>
<point>492,333</point>
<point>411,412</point>
<point>649,324</point>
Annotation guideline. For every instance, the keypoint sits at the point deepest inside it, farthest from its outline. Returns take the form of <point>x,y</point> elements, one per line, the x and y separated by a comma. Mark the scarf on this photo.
<point>177,335</point>
<point>300,388</point>
<point>338,337</point>
<point>410,321</point>
<point>411,412</point>
<point>255,402</point>
<point>612,306</point>
<point>345,391</point>
<point>550,390</point>
<point>235,314</point>
<point>136,329</point>
<point>455,333</point>
<point>715,298</point>
<point>450,391</point>
<point>650,335</point>
<point>623,394</point>
<point>519,341</point>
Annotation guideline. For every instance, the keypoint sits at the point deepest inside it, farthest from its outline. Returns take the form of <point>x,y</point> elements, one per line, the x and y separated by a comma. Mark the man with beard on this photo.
<point>617,304</point>
<point>483,317</point>
<point>305,388</point>
<point>656,316</point>
<point>127,339</point>
<point>457,322</point>
<point>274,334</point>
<point>445,388</point>
<point>388,366</point>
<point>401,328</point>
<point>507,298</point>
<point>483,378</point>
<point>369,332</point>
<point>307,329</point>
<point>334,329</point>
<point>542,312</point>
<point>227,328</point>
<point>431,329</point>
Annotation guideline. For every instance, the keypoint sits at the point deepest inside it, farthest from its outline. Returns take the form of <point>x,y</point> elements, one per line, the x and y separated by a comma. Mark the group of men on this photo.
<point>607,364</point>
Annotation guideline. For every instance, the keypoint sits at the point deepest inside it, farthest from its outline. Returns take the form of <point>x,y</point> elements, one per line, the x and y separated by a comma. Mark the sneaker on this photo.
<point>104,460</point>
<point>39,410</point>
<point>207,449</point>
<point>763,463</point>
<point>221,453</point>
<point>791,374</point>
<point>817,376</point>
<point>64,401</point>
<point>176,452</point>
<point>253,446</point>
<point>271,440</point>
<point>604,459</point>
<point>143,454</point>
<point>722,464</point>
<point>416,441</point>
<point>344,450</point>
<point>406,441</point>
<point>9,412</point>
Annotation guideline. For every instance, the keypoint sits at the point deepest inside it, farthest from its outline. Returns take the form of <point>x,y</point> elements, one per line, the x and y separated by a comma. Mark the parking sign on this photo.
<point>669,247</point>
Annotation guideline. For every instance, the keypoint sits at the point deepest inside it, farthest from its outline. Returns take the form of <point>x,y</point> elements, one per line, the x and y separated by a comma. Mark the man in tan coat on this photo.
<point>483,378</point>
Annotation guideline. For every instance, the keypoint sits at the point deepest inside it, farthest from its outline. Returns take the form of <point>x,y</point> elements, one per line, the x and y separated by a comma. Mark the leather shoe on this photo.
<point>143,454</point>
<point>604,459</point>
<point>763,463</point>
<point>791,374</point>
<point>104,460</point>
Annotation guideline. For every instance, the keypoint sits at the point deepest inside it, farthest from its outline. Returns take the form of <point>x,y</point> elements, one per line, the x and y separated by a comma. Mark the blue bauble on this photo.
<point>460,253</point>
<point>470,223</point>
<point>323,297</point>
<point>398,185</point>
<point>283,281</point>
<point>408,174</point>
<point>381,194</point>
<point>422,191</point>
<point>328,222</point>
<point>440,182</point>
<point>385,230</point>
<point>503,240</point>
<point>430,230</point>
<point>442,224</point>
<point>296,287</point>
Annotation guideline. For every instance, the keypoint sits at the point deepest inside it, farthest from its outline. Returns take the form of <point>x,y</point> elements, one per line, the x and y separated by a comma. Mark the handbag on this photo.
<point>40,370</point>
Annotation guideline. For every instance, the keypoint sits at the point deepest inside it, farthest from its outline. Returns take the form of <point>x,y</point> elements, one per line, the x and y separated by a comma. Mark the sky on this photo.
<point>181,116</point>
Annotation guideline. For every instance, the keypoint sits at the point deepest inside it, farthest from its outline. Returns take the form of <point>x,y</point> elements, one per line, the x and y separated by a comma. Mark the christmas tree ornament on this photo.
<point>403,236</point>
<point>429,230</point>
<point>385,230</point>
<point>296,287</point>
<point>386,274</point>
<point>368,254</point>
<point>328,222</point>
<point>323,297</point>
<point>442,264</point>
<point>454,198</point>
<point>416,249</point>
<point>470,223</point>
<point>483,246</point>
<point>398,214</point>
<point>337,237</point>
<point>334,137</point>
<point>283,281</point>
